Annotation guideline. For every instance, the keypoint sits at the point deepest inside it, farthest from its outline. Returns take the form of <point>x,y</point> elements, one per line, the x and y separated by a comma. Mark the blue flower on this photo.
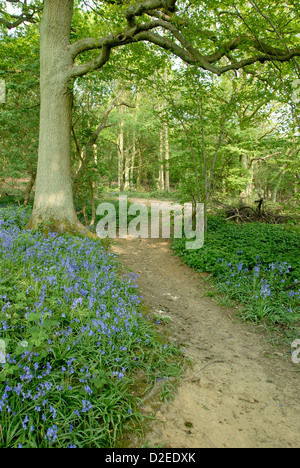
<point>88,390</point>
<point>51,434</point>
<point>86,406</point>
<point>53,411</point>
<point>24,423</point>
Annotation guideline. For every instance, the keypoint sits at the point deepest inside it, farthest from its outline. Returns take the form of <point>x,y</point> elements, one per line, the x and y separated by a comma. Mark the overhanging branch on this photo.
<point>165,30</point>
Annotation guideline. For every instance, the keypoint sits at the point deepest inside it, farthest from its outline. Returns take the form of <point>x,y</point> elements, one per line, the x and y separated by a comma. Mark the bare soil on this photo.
<point>241,391</point>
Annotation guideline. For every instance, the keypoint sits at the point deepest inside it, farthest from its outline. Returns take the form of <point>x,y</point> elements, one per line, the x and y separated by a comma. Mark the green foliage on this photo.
<point>223,239</point>
<point>255,264</point>
<point>19,117</point>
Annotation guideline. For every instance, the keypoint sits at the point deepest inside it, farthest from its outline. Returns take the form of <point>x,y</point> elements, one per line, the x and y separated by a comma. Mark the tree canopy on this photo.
<point>216,36</point>
<point>224,73</point>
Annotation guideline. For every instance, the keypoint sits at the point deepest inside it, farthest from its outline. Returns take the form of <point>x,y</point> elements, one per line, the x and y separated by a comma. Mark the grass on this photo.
<point>76,349</point>
<point>257,266</point>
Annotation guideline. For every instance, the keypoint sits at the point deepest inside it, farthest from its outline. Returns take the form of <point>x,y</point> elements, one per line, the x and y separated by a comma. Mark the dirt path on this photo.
<point>240,392</point>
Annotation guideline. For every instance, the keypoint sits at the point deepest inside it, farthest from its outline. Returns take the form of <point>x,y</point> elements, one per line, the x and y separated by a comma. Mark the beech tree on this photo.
<point>185,29</point>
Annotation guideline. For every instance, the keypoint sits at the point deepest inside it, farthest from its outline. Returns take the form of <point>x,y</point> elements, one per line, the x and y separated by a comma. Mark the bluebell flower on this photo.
<point>88,390</point>
<point>24,423</point>
<point>86,406</point>
<point>53,411</point>
<point>51,434</point>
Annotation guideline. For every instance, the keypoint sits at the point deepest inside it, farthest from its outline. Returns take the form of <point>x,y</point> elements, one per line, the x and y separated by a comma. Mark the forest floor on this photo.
<point>241,391</point>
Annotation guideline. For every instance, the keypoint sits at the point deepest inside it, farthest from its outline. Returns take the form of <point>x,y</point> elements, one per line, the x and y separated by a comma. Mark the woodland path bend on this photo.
<point>240,391</point>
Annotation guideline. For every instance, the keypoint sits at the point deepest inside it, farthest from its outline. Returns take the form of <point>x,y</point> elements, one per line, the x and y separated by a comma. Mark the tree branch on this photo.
<point>27,15</point>
<point>254,4</point>
<point>164,19</point>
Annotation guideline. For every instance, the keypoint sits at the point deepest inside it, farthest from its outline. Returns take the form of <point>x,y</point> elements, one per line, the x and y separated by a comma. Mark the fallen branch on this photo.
<point>248,214</point>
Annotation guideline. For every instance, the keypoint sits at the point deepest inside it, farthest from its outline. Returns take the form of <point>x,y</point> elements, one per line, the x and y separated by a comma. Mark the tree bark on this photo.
<point>140,168</point>
<point>91,184</point>
<point>161,179</point>
<point>121,157</point>
<point>167,158</point>
<point>29,187</point>
<point>127,161</point>
<point>133,152</point>
<point>53,204</point>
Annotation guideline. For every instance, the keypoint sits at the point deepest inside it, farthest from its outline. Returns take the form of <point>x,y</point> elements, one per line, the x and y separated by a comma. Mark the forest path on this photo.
<point>240,391</point>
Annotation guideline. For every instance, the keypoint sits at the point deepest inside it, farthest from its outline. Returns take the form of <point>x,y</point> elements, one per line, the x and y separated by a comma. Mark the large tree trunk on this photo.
<point>53,204</point>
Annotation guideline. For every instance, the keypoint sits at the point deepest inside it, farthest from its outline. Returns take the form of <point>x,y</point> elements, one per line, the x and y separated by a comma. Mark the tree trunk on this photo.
<point>127,161</point>
<point>167,147</point>
<point>167,159</point>
<point>249,185</point>
<point>53,204</point>
<point>29,187</point>
<point>140,168</point>
<point>121,157</point>
<point>91,184</point>
<point>275,191</point>
<point>131,175</point>
<point>161,178</point>
<point>249,188</point>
